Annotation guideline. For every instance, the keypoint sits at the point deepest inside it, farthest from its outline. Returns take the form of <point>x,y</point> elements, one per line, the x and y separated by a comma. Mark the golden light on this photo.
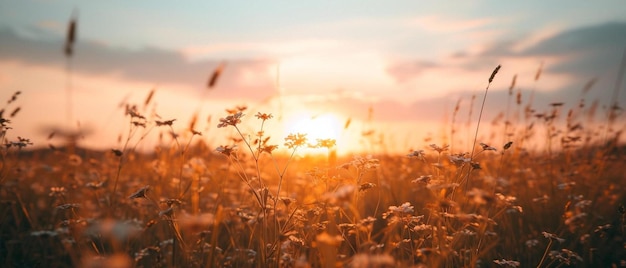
<point>321,126</point>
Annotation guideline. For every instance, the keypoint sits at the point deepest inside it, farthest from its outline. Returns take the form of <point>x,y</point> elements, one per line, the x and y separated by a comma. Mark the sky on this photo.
<point>395,69</point>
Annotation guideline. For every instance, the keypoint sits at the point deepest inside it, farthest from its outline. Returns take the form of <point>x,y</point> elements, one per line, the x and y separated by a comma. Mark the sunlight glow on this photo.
<point>325,126</point>
<point>322,126</point>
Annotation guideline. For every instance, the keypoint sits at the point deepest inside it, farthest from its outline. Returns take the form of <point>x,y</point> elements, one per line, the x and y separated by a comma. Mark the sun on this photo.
<point>320,126</point>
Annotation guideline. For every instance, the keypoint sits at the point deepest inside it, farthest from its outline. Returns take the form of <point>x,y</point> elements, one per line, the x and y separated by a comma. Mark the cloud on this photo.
<point>589,50</point>
<point>609,35</point>
<point>245,79</point>
<point>571,58</point>
<point>406,70</point>
<point>582,51</point>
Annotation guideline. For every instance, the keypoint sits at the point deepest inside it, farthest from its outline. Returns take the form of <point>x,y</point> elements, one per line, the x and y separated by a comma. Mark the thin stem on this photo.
<point>480,115</point>
<point>545,253</point>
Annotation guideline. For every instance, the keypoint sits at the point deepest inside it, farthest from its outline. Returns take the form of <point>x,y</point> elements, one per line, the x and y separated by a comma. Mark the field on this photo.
<point>193,204</point>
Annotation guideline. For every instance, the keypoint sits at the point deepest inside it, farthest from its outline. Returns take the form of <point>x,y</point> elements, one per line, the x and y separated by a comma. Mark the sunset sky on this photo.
<point>306,62</point>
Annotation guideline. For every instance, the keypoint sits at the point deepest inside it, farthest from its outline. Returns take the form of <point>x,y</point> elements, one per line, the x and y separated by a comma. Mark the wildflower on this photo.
<point>459,159</point>
<point>132,111</point>
<point>419,154</point>
<point>141,193</point>
<point>506,199</point>
<point>565,256</point>
<point>95,185</point>
<point>20,143</point>
<point>423,227</point>
<point>227,150</point>
<point>238,108</point>
<point>4,121</point>
<point>367,221</point>
<point>365,162</point>
<point>325,143</point>
<point>231,120</point>
<point>57,191</point>
<point>269,148</point>
<point>439,149</point>
<point>552,236</point>
<point>146,253</point>
<point>295,140</point>
<point>263,116</point>
<point>296,240</point>
<point>486,147</point>
<point>165,123</point>
<point>508,263</point>
<point>139,124</point>
<point>405,208</point>
<point>366,186</point>
<point>346,226</point>
<point>467,232</point>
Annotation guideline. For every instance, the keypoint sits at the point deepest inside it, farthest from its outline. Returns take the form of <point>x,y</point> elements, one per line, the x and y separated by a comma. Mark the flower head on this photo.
<point>417,154</point>
<point>325,143</point>
<point>227,150</point>
<point>295,140</point>
<point>263,116</point>
<point>231,120</point>
<point>438,148</point>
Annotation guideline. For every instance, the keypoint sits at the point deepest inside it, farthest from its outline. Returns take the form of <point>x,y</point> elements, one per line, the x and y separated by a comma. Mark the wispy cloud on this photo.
<point>249,78</point>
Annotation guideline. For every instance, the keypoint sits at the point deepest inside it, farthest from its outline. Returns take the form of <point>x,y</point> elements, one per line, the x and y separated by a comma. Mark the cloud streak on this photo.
<point>244,79</point>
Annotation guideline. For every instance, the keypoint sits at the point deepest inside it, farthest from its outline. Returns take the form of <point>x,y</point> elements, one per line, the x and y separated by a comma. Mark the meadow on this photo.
<point>189,203</point>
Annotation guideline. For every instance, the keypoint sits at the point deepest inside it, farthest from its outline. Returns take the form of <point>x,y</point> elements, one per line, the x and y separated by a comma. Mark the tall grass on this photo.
<point>244,204</point>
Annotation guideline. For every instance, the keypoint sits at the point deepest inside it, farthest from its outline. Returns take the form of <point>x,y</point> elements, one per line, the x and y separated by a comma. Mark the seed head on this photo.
<point>493,74</point>
<point>141,193</point>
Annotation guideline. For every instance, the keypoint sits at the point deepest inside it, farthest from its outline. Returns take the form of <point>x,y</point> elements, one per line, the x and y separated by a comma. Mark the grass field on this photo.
<point>193,204</point>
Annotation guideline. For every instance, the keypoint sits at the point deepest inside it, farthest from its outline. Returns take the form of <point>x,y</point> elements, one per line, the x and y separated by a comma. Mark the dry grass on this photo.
<point>191,204</point>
